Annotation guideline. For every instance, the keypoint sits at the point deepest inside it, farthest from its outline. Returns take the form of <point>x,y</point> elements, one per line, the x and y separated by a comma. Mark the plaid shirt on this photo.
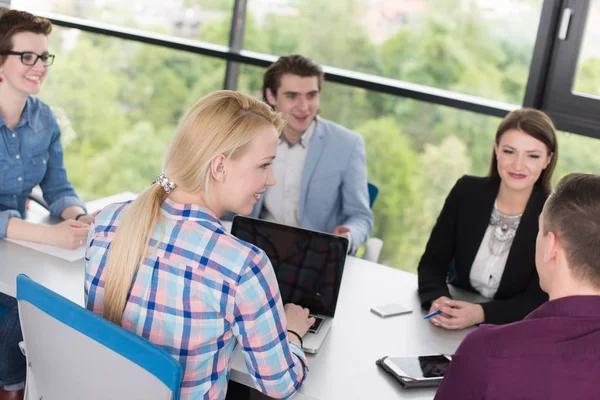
<point>197,294</point>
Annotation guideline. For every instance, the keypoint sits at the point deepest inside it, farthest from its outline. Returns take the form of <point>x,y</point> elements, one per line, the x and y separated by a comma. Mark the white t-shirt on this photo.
<point>282,201</point>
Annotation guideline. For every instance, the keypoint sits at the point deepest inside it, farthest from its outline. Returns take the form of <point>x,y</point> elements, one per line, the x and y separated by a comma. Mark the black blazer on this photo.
<point>457,236</point>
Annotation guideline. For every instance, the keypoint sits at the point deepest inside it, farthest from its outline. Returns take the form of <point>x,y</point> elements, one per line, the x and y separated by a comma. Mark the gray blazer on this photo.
<point>334,183</point>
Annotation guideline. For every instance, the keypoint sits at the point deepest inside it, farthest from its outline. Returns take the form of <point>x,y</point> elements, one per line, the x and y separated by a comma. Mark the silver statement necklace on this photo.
<point>504,228</point>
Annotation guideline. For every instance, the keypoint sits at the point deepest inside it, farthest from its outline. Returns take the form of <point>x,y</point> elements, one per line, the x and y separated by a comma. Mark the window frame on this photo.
<point>551,74</point>
<point>554,69</point>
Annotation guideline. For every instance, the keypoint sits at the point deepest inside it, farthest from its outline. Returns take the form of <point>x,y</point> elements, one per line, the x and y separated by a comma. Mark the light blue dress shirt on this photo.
<point>30,155</point>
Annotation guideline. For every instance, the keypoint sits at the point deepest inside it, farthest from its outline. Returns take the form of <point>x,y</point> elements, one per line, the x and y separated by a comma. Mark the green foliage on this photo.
<point>588,77</point>
<point>576,154</point>
<point>119,102</point>
<point>392,167</point>
<point>112,97</point>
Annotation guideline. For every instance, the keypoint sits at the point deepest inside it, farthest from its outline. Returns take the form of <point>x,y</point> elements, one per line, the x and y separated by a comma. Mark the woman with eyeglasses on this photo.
<point>30,154</point>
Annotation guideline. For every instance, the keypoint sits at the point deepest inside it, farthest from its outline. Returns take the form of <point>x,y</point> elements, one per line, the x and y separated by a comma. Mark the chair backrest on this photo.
<point>73,353</point>
<point>373,192</point>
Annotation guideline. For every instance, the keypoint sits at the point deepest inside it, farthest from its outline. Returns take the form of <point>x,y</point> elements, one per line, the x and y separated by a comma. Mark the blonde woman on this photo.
<point>164,267</point>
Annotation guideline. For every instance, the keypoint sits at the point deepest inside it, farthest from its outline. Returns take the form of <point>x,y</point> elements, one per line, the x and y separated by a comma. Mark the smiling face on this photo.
<point>24,79</point>
<point>247,176</point>
<point>521,159</point>
<point>297,99</point>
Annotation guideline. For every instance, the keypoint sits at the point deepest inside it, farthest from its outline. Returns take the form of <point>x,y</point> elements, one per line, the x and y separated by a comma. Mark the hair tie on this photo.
<point>165,183</point>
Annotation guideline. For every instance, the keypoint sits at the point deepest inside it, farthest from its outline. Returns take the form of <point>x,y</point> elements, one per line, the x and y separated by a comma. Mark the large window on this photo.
<point>118,103</point>
<point>415,153</point>
<point>476,47</point>
<point>206,20</point>
<point>569,94</point>
<point>587,80</point>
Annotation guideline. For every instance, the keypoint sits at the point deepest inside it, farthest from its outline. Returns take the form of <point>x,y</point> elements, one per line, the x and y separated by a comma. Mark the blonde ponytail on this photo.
<point>127,250</point>
<point>223,122</point>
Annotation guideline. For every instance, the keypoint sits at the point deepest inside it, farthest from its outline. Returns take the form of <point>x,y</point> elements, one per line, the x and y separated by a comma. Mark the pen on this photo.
<point>433,314</point>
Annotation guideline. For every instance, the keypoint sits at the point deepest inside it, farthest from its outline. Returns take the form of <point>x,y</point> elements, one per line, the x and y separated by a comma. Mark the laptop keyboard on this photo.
<point>315,327</point>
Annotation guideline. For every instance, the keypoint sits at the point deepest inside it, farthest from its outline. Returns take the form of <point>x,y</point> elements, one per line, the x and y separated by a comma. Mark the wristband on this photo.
<point>80,215</point>
<point>298,336</point>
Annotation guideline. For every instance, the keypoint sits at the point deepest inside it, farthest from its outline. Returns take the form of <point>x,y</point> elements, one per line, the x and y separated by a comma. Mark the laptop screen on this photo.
<point>308,264</point>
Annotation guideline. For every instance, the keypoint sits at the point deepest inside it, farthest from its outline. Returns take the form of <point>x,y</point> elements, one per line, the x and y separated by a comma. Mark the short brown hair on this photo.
<point>293,64</point>
<point>15,21</point>
<point>572,213</point>
<point>536,124</point>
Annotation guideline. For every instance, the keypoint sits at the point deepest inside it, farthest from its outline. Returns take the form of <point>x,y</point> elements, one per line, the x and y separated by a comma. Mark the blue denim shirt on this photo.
<point>31,155</point>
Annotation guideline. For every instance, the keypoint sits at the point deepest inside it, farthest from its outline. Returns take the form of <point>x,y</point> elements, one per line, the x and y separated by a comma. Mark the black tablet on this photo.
<point>417,371</point>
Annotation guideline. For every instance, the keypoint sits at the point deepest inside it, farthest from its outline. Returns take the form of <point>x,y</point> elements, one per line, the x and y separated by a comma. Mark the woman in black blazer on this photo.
<point>487,230</point>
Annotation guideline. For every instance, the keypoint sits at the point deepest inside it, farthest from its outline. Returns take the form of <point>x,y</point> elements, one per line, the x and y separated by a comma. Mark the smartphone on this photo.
<point>389,310</point>
<point>420,367</point>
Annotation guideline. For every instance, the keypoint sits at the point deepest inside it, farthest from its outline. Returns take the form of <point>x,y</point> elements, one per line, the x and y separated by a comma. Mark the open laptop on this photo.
<point>308,265</point>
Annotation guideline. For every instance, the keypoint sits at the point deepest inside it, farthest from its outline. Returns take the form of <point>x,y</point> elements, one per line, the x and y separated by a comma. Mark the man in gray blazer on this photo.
<point>320,167</point>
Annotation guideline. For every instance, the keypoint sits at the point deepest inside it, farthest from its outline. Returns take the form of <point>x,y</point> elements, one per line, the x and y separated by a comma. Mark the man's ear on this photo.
<point>552,249</point>
<point>271,97</point>
<point>217,168</point>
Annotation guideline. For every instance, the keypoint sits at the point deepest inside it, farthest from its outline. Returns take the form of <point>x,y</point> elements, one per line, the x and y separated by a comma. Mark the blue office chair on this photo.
<point>373,192</point>
<point>373,245</point>
<point>73,353</point>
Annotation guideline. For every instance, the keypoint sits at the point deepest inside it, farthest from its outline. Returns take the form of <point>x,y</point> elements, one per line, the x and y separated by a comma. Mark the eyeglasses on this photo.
<point>29,58</point>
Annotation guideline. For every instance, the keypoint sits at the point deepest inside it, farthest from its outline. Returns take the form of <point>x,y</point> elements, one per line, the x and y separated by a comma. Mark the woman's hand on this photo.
<point>298,319</point>
<point>87,218</point>
<point>456,314</point>
<point>69,234</point>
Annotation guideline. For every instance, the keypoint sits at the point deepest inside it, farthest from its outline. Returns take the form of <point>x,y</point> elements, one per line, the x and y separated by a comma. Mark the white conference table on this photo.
<point>345,366</point>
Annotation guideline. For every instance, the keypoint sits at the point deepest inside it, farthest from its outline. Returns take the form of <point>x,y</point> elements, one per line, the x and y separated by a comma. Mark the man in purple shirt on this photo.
<point>554,353</point>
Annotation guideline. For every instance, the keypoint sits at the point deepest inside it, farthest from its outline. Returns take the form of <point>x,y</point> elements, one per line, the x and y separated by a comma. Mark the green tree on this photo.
<point>132,163</point>
<point>588,77</point>
<point>118,102</point>
<point>392,165</point>
<point>440,166</point>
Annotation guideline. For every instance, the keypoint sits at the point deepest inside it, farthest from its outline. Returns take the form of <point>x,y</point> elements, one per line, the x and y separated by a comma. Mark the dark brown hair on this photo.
<point>15,21</point>
<point>293,64</point>
<point>572,213</point>
<point>536,124</point>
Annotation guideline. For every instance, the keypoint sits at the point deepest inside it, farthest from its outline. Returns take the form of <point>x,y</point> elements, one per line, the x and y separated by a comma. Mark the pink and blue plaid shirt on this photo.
<point>198,293</point>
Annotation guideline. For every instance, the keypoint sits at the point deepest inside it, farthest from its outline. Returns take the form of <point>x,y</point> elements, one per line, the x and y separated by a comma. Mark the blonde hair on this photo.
<point>223,122</point>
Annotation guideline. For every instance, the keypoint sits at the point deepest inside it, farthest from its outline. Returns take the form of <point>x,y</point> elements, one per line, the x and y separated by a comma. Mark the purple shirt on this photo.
<point>554,353</point>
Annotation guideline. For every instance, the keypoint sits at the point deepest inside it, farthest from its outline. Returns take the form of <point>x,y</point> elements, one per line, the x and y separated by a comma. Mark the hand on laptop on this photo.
<point>297,319</point>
